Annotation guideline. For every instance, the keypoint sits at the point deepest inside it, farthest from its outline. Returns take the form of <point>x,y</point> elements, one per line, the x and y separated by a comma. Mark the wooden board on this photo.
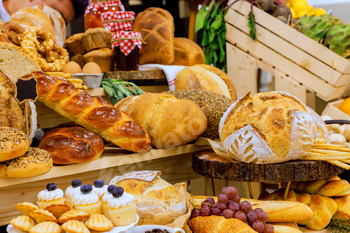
<point>209,164</point>
<point>136,75</point>
<point>332,110</point>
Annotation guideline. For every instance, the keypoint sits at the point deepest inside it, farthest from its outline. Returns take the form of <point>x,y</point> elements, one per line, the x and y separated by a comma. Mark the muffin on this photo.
<point>71,191</point>
<point>87,200</point>
<point>122,208</point>
<point>104,202</point>
<point>51,195</point>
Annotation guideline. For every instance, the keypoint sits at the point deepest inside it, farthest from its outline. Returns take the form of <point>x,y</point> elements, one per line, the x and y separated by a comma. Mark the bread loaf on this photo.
<point>94,113</point>
<point>323,207</point>
<point>96,38</point>
<point>218,224</point>
<point>69,143</point>
<point>187,52</point>
<point>269,127</point>
<point>212,104</point>
<point>12,57</point>
<point>285,228</point>
<point>322,130</point>
<point>103,57</point>
<point>156,26</point>
<point>171,122</point>
<point>74,44</point>
<point>157,201</point>
<point>13,143</point>
<point>207,78</point>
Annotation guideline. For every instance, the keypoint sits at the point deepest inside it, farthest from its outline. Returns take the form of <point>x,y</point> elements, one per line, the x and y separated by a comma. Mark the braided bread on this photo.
<point>94,113</point>
<point>323,207</point>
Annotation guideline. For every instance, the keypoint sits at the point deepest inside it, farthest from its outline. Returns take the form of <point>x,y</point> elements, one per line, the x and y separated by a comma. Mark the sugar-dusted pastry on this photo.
<point>42,216</point>
<point>26,207</point>
<point>71,191</point>
<point>74,226</point>
<point>87,200</point>
<point>73,215</point>
<point>122,208</point>
<point>23,222</point>
<point>57,209</point>
<point>104,202</point>
<point>46,227</point>
<point>98,222</point>
<point>51,195</point>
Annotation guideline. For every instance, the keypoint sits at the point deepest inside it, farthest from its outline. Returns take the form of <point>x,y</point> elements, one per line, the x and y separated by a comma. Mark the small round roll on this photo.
<point>13,143</point>
<point>35,162</point>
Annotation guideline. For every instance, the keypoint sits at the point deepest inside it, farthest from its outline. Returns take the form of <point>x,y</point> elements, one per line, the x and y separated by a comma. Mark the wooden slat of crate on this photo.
<point>298,39</point>
<point>332,110</point>
<point>289,50</point>
<point>260,51</point>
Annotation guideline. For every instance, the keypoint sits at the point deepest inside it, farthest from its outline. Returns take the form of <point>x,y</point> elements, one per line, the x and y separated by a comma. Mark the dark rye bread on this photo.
<point>213,105</point>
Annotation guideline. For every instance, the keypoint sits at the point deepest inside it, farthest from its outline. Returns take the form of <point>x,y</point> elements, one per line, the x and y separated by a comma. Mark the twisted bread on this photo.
<point>323,207</point>
<point>94,113</point>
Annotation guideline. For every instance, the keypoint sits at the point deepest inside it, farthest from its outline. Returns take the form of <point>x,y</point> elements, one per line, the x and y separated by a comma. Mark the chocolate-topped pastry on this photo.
<point>157,231</point>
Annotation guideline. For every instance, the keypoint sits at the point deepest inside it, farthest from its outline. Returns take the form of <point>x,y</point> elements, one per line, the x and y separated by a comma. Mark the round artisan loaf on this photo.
<point>157,201</point>
<point>322,130</point>
<point>170,122</point>
<point>269,127</point>
<point>69,143</point>
<point>204,77</point>
<point>187,52</point>
<point>34,162</point>
<point>13,143</point>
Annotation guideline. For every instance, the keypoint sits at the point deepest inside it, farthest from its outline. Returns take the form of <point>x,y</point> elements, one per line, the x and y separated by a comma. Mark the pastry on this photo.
<point>73,215</point>
<point>171,122</point>
<point>269,127</point>
<point>13,143</point>
<point>103,57</point>
<point>79,59</point>
<point>104,202</point>
<point>70,143</point>
<point>122,208</point>
<point>157,201</point>
<point>57,209</point>
<point>34,162</point>
<point>74,44</point>
<point>71,191</point>
<point>87,200</point>
<point>96,38</point>
<point>51,195</point>
<point>74,226</point>
<point>187,52</point>
<point>23,223</point>
<point>42,216</point>
<point>26,207</point>
<point>205,78</point>
<point>98,222</point>
<point>99,188</point>
<point>46,227</point>
<point>157,30</point>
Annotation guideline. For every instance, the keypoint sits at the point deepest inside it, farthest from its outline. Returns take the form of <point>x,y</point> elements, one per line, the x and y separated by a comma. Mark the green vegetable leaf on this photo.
<point>251,25</point>
<point>203,16</point>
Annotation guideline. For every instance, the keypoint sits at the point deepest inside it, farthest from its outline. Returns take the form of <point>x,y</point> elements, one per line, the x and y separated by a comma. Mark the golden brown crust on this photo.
<point>74,44</point>
<point>13,143</point>
<point>72,144</point>
<point>103,57</point>
<point>73,215</point>
<point>157,30</point>
<point>96,38</point>
<point>187,52</point>
<point>93,113</point>
<point>171,122</point>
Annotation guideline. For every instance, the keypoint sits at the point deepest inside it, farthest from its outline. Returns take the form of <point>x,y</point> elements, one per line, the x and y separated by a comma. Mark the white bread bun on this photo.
<point>13,143</point>
<point>14,62</point>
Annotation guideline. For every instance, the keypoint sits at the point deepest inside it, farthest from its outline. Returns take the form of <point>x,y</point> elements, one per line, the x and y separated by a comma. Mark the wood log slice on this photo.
<point>209,164</point>
<point>136,75</point>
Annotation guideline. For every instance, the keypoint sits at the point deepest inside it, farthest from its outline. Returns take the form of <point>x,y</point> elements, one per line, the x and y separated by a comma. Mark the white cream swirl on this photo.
<point>50,195</point>
<point>71,191</point>
<point>106,197</point>
<point>125,199</point>
<point>100,191</point>
<point>85,199</point>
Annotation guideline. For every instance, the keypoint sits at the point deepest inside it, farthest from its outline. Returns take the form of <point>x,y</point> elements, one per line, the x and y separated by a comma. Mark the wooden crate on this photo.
<point>332,110</point>
<point>281,48</point>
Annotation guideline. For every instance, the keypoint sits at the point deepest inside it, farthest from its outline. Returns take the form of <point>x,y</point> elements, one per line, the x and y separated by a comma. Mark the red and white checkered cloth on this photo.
<point>120,16</point>
<point>127,45</point>
<point>97,5</point>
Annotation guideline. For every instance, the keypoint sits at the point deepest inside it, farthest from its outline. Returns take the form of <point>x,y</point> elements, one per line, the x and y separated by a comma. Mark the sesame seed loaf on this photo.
<point>13,143</point>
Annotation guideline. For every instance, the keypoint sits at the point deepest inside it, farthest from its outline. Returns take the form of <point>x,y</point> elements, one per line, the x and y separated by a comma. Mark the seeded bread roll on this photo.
<point>13,143</point>
<point>34,162</point>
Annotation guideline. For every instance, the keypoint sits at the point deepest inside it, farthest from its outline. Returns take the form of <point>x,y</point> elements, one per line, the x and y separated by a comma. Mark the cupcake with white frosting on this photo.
<point>99,188</point>
<point>87,200</point>
<point>122,207</point>
<point>104,202</point>
<point>51,195</point>
<point>71,191</point>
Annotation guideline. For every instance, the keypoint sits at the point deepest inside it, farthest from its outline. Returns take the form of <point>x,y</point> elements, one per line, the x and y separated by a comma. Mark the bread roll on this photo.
<point>213,105</point>
<point>187,52</point>
<point>285,229</point>
<point>268,127</point>
<point>213,223</point>
<point>343,210</point>
<point>34,162</point>
<point>103,57</point>
<point>157,201</point>
<point>171,122</point>
<point>206,78</point>
<point>157,30</point>
<point>70,143</point>
<point>74,44</point>
<point>12,57</point>
<point>13,143</point>
<point>94,113</point>
<point>96,38</point>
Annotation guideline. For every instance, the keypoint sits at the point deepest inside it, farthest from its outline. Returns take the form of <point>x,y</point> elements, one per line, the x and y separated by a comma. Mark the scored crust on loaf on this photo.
<point>322,130</point>
<point>268,127</point>
<point>187,52</point>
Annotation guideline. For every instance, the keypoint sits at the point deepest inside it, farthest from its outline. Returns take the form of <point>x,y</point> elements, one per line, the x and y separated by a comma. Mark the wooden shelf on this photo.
<point>114,161</point>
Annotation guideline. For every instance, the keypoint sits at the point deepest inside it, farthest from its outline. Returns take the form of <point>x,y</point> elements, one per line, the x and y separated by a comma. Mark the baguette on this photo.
<point>94,113</point>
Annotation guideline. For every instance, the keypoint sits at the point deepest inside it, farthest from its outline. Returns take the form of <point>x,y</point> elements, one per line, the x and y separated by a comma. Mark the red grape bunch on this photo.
<point>229,205</point>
